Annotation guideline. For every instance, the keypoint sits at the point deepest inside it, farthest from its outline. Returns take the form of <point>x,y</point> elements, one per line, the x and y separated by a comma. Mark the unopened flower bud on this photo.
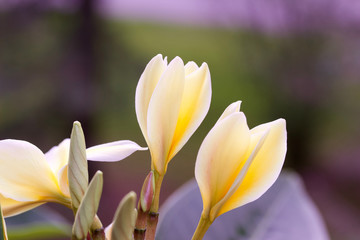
<point>147,192</point>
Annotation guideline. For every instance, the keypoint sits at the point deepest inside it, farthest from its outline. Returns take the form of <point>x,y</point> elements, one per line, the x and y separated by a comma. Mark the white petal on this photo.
<point>218,160</point>
<point>194,106</point>
<point>58,156</point>
<point>113,151</point>
<point>25,174</point>
<point>163,113</point>
<point>145,89</point>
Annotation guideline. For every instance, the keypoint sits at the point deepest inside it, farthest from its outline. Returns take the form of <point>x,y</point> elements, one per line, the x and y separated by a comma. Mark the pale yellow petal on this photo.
<point>145,89</point>
<point>232,108</point>
<point>219,158</point>
<point>25,175</point>
<point>163,113</point>
<point>194,106</point>
<point>113,151</point>
<point>190,67</point>
<point>266,165</point>
<point>64,181</point>
<point>256,140</point>
<point>12,207</point>
<point>58,156</point>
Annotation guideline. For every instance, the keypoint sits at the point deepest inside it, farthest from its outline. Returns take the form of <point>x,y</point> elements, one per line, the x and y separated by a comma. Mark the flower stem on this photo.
<point>154,209</point>
<point>140,226</point>
<point>203,226</point>
<point>158,181</point>
<point>151,226</point>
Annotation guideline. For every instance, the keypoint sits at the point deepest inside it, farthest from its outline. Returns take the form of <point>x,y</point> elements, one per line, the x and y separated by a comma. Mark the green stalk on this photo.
<point>154,209</point>
<point>203,226</point>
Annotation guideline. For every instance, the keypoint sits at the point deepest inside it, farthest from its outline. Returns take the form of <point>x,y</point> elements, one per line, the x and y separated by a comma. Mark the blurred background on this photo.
<point>62,61</point>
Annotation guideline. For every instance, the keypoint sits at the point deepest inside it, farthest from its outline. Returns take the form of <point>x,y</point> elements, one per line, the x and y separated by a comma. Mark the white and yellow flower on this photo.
<point>29,178</point>
<point>236,165</point>
<point>171,101</point>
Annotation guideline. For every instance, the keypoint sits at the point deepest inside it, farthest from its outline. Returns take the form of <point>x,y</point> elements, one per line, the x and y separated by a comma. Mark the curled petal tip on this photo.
<point>281,121</point>
<point>204,65</point>
<point>77,123</point>
<point>177,60</point>
<point>235,106</point>
<point>238,104</point>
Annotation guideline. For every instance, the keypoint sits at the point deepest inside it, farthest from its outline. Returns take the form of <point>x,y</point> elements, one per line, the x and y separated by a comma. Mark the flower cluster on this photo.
<point>235,165</point>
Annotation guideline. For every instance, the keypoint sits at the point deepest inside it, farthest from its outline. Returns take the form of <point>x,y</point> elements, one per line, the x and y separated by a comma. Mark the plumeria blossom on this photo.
<point>29,178</point>
<point>171,101</point>
<point>236,165</point>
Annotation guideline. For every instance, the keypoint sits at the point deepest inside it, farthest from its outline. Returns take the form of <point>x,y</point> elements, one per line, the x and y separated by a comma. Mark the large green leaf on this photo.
<point>284,212</point>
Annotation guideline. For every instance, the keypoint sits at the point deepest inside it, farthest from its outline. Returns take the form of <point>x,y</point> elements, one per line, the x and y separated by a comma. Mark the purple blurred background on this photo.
<point>62,61</point>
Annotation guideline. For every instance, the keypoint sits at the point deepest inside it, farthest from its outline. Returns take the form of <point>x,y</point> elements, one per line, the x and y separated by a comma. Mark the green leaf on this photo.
<point>88,207</point>
<point>78,167</point>
<point>39,223</point>
<point>124,219</point>
<point>284,212</point>
<point>3,235</point>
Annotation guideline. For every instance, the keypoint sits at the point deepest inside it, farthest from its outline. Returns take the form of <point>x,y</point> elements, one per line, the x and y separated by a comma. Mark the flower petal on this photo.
<point>25,174</point>
<point>258,142</point>
<point>113,151</point>
<point>266,165</point>
<point>217,163</point>
<point>163,113</point>
<point>232,108</point>
<point>12,207</point>
<point>194,106</point>
<point>64,181</point>
<point>145,89</point>
<point>190,67</point>
<point>58,156</point>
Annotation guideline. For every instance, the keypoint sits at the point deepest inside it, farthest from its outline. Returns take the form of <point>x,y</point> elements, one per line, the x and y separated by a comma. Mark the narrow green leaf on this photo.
<point>3,235</point>
<point>78,167</point>
<point>88,207</point>
<point>39,231</point>
<point>125,217</point>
